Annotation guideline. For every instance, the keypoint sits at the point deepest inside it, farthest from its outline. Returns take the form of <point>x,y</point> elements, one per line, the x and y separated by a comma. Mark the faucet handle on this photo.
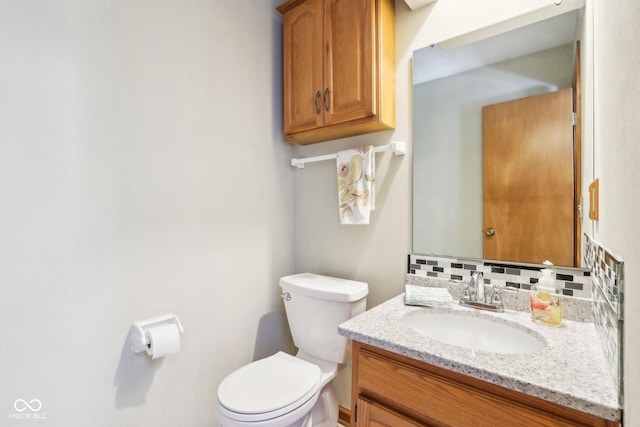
<point>466,294</point>
<point>496,298</point>
<point>489,292</point>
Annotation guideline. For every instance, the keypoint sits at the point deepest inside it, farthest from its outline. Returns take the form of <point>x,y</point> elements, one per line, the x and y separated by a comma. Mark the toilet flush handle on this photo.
<point>286,296</point>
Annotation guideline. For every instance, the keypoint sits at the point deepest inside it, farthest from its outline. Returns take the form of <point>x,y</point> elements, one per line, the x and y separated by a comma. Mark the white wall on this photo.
<point>142,171</point>
<point>617,153</point>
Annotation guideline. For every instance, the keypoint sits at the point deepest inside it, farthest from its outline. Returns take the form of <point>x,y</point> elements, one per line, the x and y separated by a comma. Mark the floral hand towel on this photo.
<point>356,179</point>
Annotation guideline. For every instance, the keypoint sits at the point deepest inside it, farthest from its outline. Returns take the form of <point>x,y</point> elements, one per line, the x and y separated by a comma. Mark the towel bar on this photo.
<point>396,147</point>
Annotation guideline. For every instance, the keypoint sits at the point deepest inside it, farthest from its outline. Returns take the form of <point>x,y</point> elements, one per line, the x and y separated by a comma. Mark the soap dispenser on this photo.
<point>546,304</point>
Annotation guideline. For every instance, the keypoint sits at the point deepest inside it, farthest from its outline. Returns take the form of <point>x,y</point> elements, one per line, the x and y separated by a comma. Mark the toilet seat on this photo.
<point>268,388</point>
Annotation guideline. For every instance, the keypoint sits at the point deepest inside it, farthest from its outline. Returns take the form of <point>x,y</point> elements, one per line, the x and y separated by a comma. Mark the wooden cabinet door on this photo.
<point>350,33</point>
<point>371,414</point>
<point>302,62</point>
<point>339,68</point>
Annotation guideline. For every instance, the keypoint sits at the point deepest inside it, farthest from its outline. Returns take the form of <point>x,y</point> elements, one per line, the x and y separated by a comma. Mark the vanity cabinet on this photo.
<point>339,68</point>
<point>392,390</point>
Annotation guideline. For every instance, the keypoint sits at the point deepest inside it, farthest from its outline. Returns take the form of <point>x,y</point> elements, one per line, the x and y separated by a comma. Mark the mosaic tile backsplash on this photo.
<point>602,284</point>
<point>608,297</point>
<point>574,282</point>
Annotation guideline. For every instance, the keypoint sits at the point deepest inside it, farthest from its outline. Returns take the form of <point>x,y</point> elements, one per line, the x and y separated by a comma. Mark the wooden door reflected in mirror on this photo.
<point>528,179</point>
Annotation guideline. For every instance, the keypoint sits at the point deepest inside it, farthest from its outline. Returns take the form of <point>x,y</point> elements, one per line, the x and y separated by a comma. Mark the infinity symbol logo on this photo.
<point>21,405</point>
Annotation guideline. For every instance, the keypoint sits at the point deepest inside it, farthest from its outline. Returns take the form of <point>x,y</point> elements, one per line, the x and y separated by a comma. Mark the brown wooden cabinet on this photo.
<point>339,68</point>
<point>393,390</point>
<point>372,414</point>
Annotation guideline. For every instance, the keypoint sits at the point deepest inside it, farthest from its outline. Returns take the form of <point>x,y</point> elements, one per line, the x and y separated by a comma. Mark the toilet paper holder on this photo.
<point>138,341</point>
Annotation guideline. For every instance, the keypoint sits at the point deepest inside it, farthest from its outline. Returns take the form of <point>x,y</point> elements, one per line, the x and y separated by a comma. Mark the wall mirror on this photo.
<point>497,159</point>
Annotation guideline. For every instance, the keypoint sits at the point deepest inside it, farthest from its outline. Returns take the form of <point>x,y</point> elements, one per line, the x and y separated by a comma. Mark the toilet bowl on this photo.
<point>276,391</point>
<point>296,391</point>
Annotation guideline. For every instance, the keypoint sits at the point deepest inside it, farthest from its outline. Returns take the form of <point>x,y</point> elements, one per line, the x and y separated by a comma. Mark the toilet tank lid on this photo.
<point>324,287</point>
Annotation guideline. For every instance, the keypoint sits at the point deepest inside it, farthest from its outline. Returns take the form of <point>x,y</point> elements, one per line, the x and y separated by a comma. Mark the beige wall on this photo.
<point>377,253</point>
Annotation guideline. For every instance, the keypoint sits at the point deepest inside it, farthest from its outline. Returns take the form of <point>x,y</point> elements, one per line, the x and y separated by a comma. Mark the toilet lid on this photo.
<point>269,384</point>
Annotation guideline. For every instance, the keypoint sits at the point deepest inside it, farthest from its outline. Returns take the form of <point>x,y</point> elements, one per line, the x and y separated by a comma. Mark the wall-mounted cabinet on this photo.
<point>339,68</point>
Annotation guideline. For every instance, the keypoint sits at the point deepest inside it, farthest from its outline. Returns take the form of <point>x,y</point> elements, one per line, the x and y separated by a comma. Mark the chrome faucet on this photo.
<point>478,278</point>
<point>475,294</point>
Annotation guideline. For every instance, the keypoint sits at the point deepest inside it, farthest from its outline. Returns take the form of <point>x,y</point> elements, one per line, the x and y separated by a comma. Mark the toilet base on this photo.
<point>325,412</point>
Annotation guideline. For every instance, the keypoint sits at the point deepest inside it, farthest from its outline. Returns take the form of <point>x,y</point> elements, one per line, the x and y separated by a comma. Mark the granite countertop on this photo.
<point>570,371</point>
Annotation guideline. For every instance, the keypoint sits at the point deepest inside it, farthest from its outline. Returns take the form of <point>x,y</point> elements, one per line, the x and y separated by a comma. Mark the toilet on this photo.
<point>296,391</point>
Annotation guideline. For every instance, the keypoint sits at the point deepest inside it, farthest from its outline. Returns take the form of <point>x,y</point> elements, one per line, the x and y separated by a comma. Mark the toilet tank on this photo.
<point>315,306</point>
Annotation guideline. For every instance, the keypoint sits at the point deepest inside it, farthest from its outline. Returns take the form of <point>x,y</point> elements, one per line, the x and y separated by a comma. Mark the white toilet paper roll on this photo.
<point>163,340</point>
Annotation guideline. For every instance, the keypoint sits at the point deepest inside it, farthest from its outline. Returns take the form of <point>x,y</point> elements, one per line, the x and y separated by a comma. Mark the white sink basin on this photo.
<point>475,333</point>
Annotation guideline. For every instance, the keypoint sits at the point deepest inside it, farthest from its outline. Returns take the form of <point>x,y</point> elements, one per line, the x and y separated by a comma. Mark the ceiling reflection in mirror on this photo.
<point>450,89</point>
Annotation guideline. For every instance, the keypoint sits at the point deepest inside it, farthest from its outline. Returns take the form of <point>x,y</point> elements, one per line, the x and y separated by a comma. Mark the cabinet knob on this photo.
<point>490,232</point>
<point>317,103</point>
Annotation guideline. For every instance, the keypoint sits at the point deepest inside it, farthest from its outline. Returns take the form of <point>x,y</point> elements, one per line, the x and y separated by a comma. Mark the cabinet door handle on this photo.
<point>326,99</point>
<point>490,232</point>
<point>317,102</point>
